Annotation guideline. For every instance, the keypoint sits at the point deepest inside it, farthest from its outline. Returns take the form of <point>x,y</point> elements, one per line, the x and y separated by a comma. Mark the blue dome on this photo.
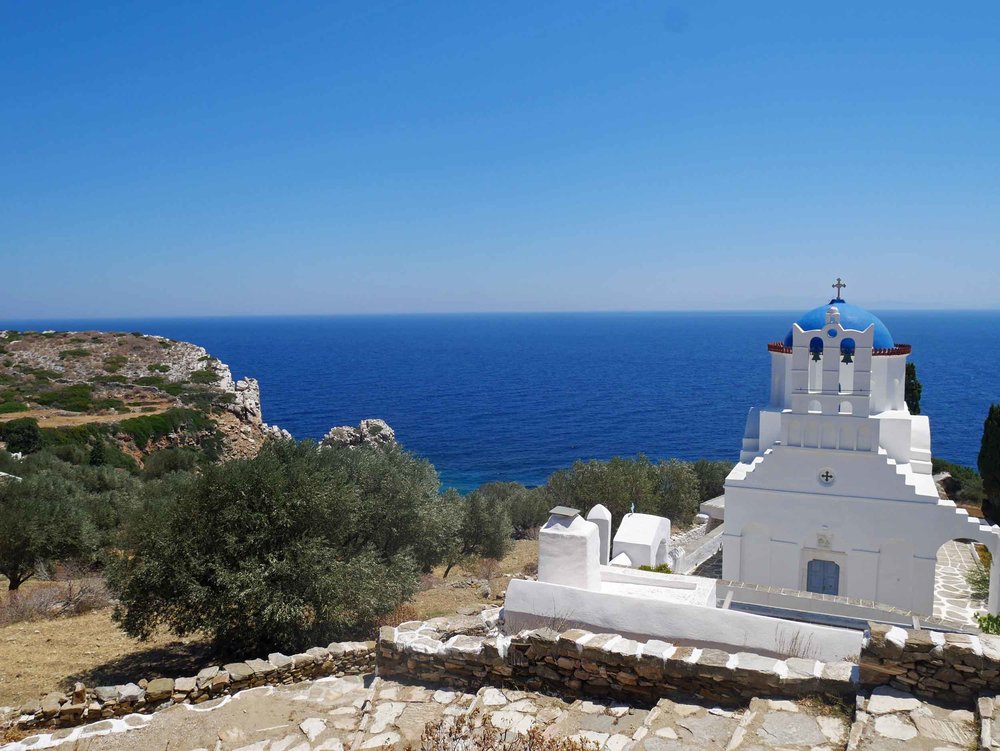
<point>851,317</point>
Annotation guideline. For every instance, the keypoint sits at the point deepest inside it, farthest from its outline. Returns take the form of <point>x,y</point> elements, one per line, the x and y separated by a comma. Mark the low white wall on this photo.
<point>533,604</point>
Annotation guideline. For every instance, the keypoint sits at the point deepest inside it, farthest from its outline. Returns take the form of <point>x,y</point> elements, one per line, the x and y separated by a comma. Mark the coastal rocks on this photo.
<point>370,433</point>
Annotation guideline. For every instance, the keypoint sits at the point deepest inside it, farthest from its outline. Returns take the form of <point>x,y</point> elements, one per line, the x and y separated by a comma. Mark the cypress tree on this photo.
<point>912,388</point>
<point>989,456</point>
<point>98,455</point>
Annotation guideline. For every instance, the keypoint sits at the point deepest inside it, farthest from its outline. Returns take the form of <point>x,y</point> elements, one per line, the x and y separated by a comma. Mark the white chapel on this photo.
<point>833,491</point>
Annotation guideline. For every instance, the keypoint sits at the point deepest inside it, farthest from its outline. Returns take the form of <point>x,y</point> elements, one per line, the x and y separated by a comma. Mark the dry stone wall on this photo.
<point>581,663</point>
<point>931,664</point>
<point>84,704</point>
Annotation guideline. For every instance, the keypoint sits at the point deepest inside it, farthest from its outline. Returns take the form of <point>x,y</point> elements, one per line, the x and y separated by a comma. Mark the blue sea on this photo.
<point>517,396</point>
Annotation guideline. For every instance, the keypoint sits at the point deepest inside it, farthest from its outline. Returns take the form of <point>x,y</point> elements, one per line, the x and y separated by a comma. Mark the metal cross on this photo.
<point>827,476</point>
<point>839,285</point>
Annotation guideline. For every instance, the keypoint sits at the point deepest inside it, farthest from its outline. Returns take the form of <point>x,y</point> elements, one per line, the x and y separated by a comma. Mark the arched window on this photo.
<point>816,364</point>
<point>847,366</point>
<point>846,408</point>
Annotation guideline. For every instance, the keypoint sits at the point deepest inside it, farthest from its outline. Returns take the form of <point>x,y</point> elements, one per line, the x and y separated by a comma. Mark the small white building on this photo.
<point>574,589</point>
<point>833,492</point>
<point>641,540</point>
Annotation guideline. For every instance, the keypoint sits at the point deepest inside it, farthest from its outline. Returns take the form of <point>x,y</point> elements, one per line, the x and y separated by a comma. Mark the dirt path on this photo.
<point>56,418</point>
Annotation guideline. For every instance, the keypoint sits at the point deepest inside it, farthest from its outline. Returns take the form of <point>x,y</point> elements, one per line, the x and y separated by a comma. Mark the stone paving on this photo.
<point>952,595</point>
<point>891,720</point>
<point>360,714</point>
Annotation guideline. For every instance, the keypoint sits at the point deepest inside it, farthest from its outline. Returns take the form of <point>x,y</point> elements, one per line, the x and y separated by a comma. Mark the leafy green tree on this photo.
<point>618,484</point>
<point>485,529</point>
<point>912,389</point>
<point>40,521</point>
<point>711,477</point>
<point>527,508</point>
<point>989,457</point>
<point>21,435</point>
<point>679,491</point>
<point>294,547</point>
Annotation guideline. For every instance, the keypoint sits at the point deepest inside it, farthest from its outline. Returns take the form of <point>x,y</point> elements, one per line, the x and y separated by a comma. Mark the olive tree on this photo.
<point>41,521</point>
<point>296,546</point>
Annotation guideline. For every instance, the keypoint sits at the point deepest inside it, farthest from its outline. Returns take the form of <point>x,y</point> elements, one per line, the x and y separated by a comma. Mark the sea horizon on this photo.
<point>515,396</point>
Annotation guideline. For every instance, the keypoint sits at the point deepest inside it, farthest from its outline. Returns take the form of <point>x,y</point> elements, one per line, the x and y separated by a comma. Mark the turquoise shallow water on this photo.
<point>515,397</point>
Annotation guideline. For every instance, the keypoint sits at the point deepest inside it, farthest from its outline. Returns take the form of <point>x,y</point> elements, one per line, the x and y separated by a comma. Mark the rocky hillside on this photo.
<point>143,392</point>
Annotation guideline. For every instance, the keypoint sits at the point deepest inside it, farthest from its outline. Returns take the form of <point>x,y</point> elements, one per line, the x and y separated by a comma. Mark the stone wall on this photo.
<point>85,704</point>
<point>931,664</point>
<point>581,663</point>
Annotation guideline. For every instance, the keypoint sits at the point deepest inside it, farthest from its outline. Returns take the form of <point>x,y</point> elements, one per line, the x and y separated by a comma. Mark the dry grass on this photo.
<point>441,596</point>
<point>57,418</point>
<point>45,655</point>
<point>476,732</point>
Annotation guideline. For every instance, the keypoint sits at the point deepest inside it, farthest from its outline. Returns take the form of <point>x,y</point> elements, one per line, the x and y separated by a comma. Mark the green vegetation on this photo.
<point>163,462</point>
<point>21,436</point>
<point>671,488</point>
<point>114,363</point>
<point>483,527</point>
<point>7,408</point>
<point>206,376</point>
<point>965,486</point>
<point>148,428</point>
<point>72,353</point>
<point>158,367</point>
<point>912,389</point>
<point>661,568</point>
<point>40,521</point>
<point>988,624</point>
<point>292,548</point>
<point>989,460</point>
<point>77,397</point>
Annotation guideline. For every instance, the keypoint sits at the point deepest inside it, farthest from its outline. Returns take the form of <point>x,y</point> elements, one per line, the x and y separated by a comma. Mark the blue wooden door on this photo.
<point>823,577</point>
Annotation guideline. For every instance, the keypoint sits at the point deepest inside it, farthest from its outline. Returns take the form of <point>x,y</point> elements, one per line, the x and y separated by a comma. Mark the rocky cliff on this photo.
<point>87,383</point>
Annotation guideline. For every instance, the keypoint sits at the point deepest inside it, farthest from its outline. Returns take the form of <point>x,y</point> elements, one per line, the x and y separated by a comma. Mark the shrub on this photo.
<point>158,367</point>
<point>978,579</point>
<point>114,363</point>
<point>291,548</point>
<point>661,568</point>
<point>9,407</point>
<point>163,462</point>
<point>988,624</point>
<point>75,398</point>
<point>148,428</point>
<point>21,435</point>
<point>206,376</point>
<point>72,353</point>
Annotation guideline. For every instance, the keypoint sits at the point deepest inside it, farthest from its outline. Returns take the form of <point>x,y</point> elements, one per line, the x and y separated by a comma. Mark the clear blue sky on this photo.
<point>227,158</point>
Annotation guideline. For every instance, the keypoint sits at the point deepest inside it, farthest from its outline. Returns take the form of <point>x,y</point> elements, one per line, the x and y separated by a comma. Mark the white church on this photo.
<point>833,491</point>
<point>833,494</point>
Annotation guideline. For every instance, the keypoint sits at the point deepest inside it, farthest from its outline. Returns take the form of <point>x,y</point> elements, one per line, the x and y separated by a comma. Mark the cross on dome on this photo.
<point>839,285</point>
